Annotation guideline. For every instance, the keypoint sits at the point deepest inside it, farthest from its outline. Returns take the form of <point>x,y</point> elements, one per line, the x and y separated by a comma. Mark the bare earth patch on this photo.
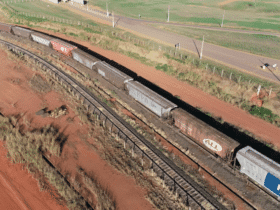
<point>22,99</point>
<point>19,190</point>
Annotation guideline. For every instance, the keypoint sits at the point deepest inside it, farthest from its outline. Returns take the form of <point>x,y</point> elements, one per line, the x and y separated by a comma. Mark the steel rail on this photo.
<point>181,183</point>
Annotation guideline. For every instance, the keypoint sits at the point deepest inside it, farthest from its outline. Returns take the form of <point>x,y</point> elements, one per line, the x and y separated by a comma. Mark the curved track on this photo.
<point>192,194</point>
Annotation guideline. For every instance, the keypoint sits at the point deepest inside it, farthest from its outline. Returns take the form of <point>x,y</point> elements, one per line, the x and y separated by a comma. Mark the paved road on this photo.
<point>241,60</point>
<point>199,27</point>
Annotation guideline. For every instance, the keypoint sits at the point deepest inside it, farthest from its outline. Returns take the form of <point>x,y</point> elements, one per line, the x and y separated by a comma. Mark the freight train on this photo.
<point>258,167</point>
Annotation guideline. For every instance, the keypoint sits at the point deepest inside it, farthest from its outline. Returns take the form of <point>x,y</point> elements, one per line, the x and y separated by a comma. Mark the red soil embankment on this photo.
<point>17,97</point>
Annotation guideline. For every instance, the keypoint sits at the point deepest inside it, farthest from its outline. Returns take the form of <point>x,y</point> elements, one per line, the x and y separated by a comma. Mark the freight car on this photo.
<point>6,28</point>
<point>22,32</point>
<point>113,75</point>
<point>62,47</point>
<point>150,99</point>
<point>260,168</point>
<point>41,39</point>
<point>205,135</point>
<point>84,58</point>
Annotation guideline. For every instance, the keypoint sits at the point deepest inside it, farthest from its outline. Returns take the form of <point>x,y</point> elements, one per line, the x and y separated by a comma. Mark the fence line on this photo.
<point>177,54</point>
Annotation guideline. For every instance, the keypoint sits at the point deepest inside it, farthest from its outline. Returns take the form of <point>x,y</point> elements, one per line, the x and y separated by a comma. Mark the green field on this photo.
<point>245,15</point>
<point>44,8</point>
<point>208,12</point>
<point>254,43</point>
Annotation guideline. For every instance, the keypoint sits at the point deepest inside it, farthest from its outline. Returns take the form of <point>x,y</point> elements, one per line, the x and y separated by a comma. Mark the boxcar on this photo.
<point>21,32</point>
<point>62,47</point>
<point>260,168</point>
<point>207,136</point>
<point>150,99</point>
<point>84,58</point>
<point>113,75</point>
<point>42,39</point>
<point>6,27</point>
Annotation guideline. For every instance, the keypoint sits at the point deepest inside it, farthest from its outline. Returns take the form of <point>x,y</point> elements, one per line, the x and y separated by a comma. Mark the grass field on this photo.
<point>45,8</point>
<point>245,15</point>
<point>254,43</point>
<point>238,14</point>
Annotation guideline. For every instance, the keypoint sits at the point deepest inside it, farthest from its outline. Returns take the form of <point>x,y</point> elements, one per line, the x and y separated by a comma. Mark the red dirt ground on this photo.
<point>19,190</point>
<point>16,98</point>
<point>191,95</point>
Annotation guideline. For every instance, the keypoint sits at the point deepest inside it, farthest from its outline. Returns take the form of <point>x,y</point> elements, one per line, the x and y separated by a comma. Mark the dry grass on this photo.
<point>37,83</point>
<point>114,153</point>
<point>105,198</point>
<point>28,148</point>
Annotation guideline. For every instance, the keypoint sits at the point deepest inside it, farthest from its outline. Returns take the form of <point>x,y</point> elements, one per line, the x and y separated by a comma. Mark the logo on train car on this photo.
<point>212,145</point>
<point>272,183</point>
<point>63,49</point>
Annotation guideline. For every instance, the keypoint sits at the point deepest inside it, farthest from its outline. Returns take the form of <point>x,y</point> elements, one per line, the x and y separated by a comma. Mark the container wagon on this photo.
<point>62,47</point>
<point>150,99</point>
<point>6,27</point>
<point>42,39</point>
<point>205,135</point>
<point>260,168</point>
<point>113,75</point>
<point>84,58</point>
<point>21,32</point>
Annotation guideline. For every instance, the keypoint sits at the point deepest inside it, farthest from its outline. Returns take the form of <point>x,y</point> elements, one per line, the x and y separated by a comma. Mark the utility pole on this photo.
<point>168,13</point>
<point>87,4</point>
<point>107,9</point>
<point>201,48</point>
<point>259,89</point>
<point>113,19</point>
<point>223,18</point>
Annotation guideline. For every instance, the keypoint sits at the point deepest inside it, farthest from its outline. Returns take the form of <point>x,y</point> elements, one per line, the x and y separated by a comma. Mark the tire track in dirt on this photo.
<point>17,196</point>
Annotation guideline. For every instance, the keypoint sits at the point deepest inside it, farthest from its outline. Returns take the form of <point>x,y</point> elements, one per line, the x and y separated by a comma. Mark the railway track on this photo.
<point>242,196</point>
<point>190,192</point>
<point>77,66</point>
<point>234,169</point>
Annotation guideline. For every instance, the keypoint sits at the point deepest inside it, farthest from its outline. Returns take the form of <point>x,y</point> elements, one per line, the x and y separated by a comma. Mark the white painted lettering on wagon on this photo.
<point>63,49</point>
<point>212,145</point>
